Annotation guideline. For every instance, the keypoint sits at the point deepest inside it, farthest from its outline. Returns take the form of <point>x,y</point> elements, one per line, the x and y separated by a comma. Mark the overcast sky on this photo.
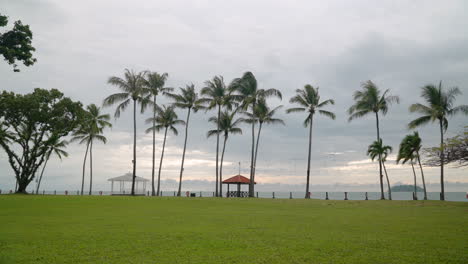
<point>400,45</point>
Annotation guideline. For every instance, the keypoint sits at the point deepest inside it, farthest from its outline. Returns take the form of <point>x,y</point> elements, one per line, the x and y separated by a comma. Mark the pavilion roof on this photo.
<point>128,178</point>
<point>238,179</point>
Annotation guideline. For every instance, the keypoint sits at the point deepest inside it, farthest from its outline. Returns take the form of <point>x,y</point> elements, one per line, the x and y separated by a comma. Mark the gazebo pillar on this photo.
<point>238,189</point>
<point>112,187</point>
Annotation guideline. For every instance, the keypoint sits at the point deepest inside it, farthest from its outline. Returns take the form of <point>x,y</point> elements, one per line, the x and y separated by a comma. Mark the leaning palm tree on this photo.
<point>263,115</point>
<point>187,99</point>
<point>226,124</point>
<point>132,89</point>
<point>414,144</point>
<point>56,147</point>
<point>439,108</point>
<point>217,95</point>
<point>370,100</point>
<point>378,149</point>
<point>248,94</point>
<point>90,131</point>
<point>166,119</point>
<point>407,153</point>
<point>155,83</point>
<point>309,100</point>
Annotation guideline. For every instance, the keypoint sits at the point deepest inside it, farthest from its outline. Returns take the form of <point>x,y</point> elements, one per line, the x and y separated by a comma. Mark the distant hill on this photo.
<point>406,188</point>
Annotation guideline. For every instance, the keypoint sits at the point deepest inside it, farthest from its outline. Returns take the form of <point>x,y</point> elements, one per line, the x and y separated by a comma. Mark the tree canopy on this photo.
<point>30,126</point>
<point>16,44</point>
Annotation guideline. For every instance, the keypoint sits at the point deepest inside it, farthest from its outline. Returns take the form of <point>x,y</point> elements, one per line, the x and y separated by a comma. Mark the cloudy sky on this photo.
<point>400,45</point>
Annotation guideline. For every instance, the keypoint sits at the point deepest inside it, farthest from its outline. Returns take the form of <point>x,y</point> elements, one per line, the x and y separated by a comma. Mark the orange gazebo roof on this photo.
<point>238,179</point>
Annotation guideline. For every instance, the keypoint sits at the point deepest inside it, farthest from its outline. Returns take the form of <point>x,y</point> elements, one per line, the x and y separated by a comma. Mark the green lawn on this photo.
<point>72,229</point>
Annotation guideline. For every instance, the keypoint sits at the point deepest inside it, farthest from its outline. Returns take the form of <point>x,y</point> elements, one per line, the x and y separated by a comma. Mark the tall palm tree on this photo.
<point>155,83</point>
<point>378,149</point>
<point>248,94</point>
<point>407,153</point>
<point>309,100</point>
<point>216,95</point>
<point>226,124</point>
<point>166,119</point>
<point>56,147</point>
<point>440,107</point>
<point>370,100</point>
<point>132,89</point>
<point>187,99</point>
<point>91,130</point>
<point>263,115</point>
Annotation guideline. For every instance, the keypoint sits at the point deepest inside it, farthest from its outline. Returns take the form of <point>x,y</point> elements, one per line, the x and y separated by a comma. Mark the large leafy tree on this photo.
<point>439,107</point>
<point>308,100</point>
<point>31,124</point>
<point>226,124</point>
<point>370,100</point>
<point>133,90</point>
<point>378,149</point>
<point>406,153</point>
<point>57,147</point>
<point>248,94</point>
<point>187,99</point>
<point>166,119</point>
<point>262,114</point>
<point>217,95</point>
<point>91,130</point>
<point>155,83</point>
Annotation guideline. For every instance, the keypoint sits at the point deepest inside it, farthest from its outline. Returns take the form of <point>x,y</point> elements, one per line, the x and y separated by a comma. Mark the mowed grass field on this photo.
<point>73,229</point>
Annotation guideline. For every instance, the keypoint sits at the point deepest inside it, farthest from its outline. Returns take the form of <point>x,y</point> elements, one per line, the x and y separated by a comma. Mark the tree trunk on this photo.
<point>221,167</point>
<point>84,167</point>
<point>382,196</point>
<point>183,153</point>
<point>422,176</point>
<point>256,151</point>
<point>154,148</point>
<point>307,196</point>
<point>91,168</point>
<point>161,161</point>
<point>252,184</point>
<point>442,190</point>
<point>388,182</point>
<point>217,151</point>
<point>415,190</point>
<point>134,148</point>
<point>42,173</point>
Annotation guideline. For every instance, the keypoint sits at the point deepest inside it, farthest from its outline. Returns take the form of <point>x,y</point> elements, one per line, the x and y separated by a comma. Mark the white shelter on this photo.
<point>140,184</point>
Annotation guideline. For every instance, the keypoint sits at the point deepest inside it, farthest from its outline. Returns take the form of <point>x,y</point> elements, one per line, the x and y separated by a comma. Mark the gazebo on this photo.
<point>128,178</point>
<point>237,180</point>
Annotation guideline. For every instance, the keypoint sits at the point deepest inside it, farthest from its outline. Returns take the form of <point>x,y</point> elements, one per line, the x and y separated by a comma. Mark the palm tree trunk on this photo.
<point>161,161</point>
<point>84,167</point>
<point>42,173</point>
<point>415,190</point>
<point>422,176</point>
<point>91,168</point>
<point>382,196</point>
<point>442,191</point>
<point>388,182</point>
<point>154,147</point>
<point>217,150</point>
<point>256,150</point>
<point>252,184</point>
<point>307,196</point>
<point>183,153</point>
<point>221,167</point>
<point>134,147</point>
